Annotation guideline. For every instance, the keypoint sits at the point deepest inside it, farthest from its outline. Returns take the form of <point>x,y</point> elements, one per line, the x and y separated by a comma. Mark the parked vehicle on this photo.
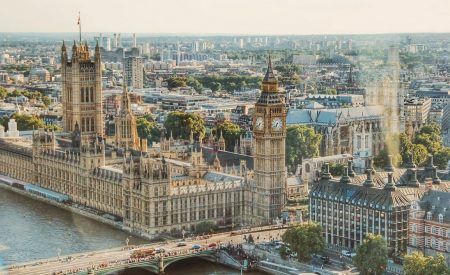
<point>160,250</point>
<point>212,245</point>
<point>181,244</point>
<point>196,246</point>
<point>347,253</point>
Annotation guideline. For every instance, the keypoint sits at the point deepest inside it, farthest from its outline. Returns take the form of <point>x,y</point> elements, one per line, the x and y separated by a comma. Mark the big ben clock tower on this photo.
<point>269,130</point>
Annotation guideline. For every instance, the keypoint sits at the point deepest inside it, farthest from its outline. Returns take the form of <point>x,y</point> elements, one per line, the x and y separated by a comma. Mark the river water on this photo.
<point>31,230</point>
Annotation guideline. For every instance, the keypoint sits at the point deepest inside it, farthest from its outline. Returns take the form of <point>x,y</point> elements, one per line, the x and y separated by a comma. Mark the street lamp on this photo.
<point>127,240</point>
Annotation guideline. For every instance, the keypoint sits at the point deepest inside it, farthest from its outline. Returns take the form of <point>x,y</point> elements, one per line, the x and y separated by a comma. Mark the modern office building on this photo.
<point>378,202</point>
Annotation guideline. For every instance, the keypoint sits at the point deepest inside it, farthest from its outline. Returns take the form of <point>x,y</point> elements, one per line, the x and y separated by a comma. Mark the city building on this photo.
<point>126,129</point>
<point>429,225</point>
<point>152,191</point>
<point>269,121</point>
<point>416,113</point>
<point>82,90</point>
<point>39,75</point>
<point>134,72</point>
<point>357,130</point>
<point>378,202</point>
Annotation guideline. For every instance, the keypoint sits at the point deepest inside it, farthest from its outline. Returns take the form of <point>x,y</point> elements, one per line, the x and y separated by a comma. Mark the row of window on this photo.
<point>87,94</point>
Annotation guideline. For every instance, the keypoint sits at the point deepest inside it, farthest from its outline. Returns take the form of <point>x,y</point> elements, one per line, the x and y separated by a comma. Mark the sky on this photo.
<point>271,17</point>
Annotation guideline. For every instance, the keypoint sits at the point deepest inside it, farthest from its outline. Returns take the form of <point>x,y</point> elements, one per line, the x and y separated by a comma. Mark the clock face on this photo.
<point>259,123</point>
<point>277,124</point>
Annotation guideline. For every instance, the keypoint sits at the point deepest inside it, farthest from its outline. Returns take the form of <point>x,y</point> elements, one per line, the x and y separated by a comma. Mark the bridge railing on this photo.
<point>154,258</point>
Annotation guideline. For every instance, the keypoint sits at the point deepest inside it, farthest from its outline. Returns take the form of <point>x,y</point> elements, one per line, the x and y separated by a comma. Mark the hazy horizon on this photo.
<point>232,17</point>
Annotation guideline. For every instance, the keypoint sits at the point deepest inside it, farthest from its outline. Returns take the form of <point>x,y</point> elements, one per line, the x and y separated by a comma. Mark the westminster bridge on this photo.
<point>113,260</point>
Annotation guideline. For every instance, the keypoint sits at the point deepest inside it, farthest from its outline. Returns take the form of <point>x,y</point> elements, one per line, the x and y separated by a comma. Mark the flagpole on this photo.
<point>79,25</point>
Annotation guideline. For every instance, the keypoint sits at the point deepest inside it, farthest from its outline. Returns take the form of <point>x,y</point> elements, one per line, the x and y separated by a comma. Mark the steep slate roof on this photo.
<point>441,202</point>
<point>332,116</point>
<point>226,158</point>
<point>377,198</point>
<point>410,185</point>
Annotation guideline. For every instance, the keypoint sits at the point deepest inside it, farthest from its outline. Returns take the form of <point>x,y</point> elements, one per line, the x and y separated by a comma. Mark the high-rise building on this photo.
<point>107,43</point>
<point>134,41</point>
<point>393,56</point>
<point>269,122</point>
<point>82,90</point>
<point>134,72</point>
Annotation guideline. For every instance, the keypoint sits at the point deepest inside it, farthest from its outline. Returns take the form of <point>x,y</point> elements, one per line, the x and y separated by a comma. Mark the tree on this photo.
<point>304,239</point>
<point>181,124</point>
<point>3,93</point>
<point>231,133</point>
<point>175,82</point>
<point>194,83</point>
<point>417,264</point>
<point>215,86</point>
<point>301,142</point>
<point>405,146</point>
<point>205,227</point>
<point>147,129</point>
<point>420,154</point>
<point>337,169</point>
<point>27,122</point>
<point>284,252</point>
<point>372,255</point>
<point>381,160</point>
<point>442,157</point>
<point>46,101</point>
<point>430,137</point>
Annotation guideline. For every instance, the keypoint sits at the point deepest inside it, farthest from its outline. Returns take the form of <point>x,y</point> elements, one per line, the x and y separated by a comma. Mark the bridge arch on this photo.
<point>210,258</point>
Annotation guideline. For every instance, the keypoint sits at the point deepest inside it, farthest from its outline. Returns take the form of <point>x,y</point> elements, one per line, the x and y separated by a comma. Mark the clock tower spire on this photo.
<point>269,130</point>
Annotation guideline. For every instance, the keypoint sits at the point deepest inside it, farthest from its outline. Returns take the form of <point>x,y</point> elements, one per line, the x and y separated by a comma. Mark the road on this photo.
<point>83,261</point>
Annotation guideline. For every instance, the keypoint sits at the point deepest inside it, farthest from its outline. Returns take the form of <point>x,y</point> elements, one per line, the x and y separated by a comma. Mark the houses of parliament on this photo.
<point>154,190</point>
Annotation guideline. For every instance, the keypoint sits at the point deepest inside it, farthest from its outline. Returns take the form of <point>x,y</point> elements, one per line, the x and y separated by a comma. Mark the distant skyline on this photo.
<point>259,17</point>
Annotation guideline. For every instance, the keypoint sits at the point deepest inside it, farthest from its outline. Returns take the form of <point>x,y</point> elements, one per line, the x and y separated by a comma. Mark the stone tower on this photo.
<point>126,129</point>
<point>269,130</point>
<point>82,90</point>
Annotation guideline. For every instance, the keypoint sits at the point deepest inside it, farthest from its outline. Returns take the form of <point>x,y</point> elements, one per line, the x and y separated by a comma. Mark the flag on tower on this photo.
<point>78,23</point>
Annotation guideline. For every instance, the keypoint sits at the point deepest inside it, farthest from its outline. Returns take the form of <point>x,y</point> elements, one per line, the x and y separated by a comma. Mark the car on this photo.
<point>325,259</point>
<point>212,245</point>
<point>181,244</point>
<point>196,246</point>
<point>160,250</point>
<point>347,253</point>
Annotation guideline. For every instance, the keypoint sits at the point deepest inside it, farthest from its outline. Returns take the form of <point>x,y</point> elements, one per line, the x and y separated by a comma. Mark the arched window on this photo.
<point>83,124</point>
<point>92,124</point>
<point>440,217</point>
<point>429,215</point>
<point>82,94</point>
<point>92,94</point>
<point>307,168</point>
<point>87,95</point>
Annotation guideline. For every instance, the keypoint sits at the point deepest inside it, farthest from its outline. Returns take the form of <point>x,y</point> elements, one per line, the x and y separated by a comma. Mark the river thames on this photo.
<point>32,230</point>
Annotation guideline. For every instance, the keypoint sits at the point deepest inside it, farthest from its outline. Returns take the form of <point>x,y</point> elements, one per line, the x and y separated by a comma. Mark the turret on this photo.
<point>369,180</point>
<point>97,53</point>
<point>390,182</point>
<point>326,175</point>
<point>351,172</point>
<point>63,54</point>
<point>389,166</point>
<point>345,178</point>
<point>270,83</point>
